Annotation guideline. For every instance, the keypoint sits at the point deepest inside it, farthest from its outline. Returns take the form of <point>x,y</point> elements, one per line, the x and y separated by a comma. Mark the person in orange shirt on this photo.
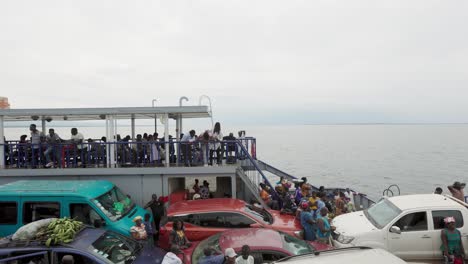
<point>266,197</point>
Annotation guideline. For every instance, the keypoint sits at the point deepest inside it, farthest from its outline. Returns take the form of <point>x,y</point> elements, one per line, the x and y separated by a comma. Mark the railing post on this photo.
<point>2,144</point>
<point>166,137</point>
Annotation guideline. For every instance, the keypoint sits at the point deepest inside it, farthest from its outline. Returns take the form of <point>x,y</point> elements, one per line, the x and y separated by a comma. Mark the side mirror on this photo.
<point>395,229</point>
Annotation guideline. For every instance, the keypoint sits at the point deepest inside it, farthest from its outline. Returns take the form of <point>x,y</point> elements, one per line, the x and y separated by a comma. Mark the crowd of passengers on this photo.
<point>147,231</point>
<point>313,209</point>
<point>51,150</point>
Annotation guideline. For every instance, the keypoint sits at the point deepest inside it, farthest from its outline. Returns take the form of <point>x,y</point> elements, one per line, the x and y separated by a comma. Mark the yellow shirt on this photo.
<point>313,201</point>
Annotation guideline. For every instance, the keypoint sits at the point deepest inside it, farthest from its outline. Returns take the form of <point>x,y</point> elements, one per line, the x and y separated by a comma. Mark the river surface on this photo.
<point>367,158</point>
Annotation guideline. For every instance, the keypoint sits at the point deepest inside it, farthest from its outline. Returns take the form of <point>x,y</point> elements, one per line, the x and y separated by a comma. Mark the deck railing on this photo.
<point>127,154</point>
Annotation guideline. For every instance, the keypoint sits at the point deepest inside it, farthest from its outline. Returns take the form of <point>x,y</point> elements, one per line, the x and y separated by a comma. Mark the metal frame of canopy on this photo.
<point>110,115</point>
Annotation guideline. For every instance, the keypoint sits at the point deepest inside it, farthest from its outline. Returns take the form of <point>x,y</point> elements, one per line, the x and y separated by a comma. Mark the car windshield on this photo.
<point>382,213</point>
<point>114,204</point>
<point>211,242</point>
<point>116,248</point>
<point>296,246</point>
<point>261,215</point>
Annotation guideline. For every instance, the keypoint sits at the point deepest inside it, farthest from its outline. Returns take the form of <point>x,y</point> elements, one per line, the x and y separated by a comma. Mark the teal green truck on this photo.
<point>95,203</point>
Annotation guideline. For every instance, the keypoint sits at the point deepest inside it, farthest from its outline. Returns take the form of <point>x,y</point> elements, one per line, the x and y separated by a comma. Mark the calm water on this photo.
<point>367,158</point>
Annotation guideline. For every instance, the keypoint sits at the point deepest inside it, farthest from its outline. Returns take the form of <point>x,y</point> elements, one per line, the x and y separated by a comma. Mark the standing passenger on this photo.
<point>452,246</point>
<point>245,257</point>
<point>196,187</point>
<point>157,208</point>
<point>205,190</point>
<point>37,137</point>
<point>307,222</point>
<point>323,227</point>
<point>457,190</point>
<point>217,136</point>
<point>150,230</point>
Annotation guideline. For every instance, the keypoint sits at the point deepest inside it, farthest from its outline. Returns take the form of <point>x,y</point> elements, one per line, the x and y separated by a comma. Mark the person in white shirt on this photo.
<point>76,138</point>
<point>171,256</point>
<point>186,147</point>
<point>245,257</point>
<point>217,136</point>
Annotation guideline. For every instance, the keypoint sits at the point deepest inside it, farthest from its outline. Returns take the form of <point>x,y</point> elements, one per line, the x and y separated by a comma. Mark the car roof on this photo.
<point>360,255</point>
<point>89,189</point>
<point>83,239</point>
<point>205,205</point>
<point>86,237</point>
<point>254,237</point>
<point>414,201</point>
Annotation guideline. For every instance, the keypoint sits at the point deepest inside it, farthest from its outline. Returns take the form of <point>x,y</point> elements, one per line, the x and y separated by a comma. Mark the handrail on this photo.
<point>257,168</point>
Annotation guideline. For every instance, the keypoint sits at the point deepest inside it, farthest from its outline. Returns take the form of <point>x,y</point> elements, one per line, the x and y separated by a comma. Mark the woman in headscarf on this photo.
<point>452,246</point>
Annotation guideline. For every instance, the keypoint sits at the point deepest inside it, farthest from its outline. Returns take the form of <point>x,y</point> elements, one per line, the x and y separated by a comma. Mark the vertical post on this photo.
<point>2,142</point>
<point>166,137</point>
<point>44,126</point>
<point>111,141</point>
<point>155,117</point>
<point>233,186</point>
<point>133,128</point>
<point>177,146</point>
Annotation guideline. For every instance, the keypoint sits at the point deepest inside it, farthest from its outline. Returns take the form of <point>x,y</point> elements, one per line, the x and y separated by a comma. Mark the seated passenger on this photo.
<point>177,236</point>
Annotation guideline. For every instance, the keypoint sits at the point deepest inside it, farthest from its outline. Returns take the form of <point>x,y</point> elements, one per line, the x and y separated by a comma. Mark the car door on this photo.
<point>438,223</point>
<point>58,254</point>
<point>414,241</point>
<point>26,256</point>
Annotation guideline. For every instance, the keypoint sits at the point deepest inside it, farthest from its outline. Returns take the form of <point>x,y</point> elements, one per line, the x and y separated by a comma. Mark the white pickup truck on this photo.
<point>408,226</point>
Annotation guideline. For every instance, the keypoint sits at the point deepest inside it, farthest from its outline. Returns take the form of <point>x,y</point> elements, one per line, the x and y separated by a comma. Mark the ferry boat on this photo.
<point>140,168</point>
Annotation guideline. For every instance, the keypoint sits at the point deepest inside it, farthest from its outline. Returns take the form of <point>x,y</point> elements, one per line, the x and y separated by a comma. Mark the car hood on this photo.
<point>320,246</point>
<point>150,254</point>
<point>284,222</point>
<point>352,223</point>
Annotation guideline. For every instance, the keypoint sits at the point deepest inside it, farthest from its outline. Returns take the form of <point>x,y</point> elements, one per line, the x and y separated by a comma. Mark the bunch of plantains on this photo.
<point>59,231</point>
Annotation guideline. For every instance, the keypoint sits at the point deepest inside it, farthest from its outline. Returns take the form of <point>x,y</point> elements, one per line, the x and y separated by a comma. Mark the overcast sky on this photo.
<point>260,61</point>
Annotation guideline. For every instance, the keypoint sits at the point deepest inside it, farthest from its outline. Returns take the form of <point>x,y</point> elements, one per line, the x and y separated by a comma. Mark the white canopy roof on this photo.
<point>83,114</point>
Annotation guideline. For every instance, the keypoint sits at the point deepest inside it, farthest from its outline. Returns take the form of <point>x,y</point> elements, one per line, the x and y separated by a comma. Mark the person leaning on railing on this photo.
<point>186,147</point>
<point>52,140</point>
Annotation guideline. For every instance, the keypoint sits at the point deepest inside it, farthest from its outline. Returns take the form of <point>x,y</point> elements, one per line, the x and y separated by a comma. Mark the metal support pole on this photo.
<point>233,186</point>
<point>2,142</point>
<point>133,128</point>
<point>166,137</point>
<point>155,117</point>
<point>181,99</point>
<point>111,140</point>
<point>44,126</point>
<point>177,146</point>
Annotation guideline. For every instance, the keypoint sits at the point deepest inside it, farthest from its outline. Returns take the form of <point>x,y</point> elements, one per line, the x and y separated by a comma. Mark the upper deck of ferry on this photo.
<point>111,151</point>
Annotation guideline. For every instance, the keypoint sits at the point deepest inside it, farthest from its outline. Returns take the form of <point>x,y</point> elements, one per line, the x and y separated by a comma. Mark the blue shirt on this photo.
<point>309,230</point>
<point>213,259</point>
<point>320,205</point>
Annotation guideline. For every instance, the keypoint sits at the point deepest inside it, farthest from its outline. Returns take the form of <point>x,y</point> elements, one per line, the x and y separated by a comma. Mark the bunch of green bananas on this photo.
<point>62,230</point>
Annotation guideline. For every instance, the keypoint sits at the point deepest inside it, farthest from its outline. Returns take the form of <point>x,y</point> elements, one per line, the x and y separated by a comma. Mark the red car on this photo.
<point>204,218</point>
<point>266,245</point>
